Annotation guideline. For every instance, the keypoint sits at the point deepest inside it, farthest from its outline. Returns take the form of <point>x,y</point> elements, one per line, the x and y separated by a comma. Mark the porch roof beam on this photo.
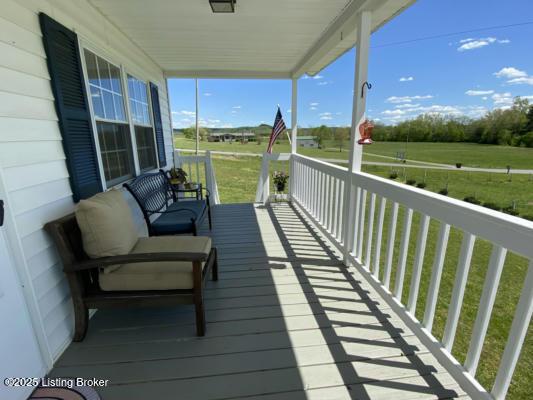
<point>342,27</point>
<point>227,74</point>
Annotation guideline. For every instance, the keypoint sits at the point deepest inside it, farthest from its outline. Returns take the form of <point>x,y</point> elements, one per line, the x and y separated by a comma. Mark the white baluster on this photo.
<point>361,226</point>
<point>490,288</point>
<point>516,338</point>
<point>369,230</point>
<point>390,244</point>
<point>419,261</point>
<point>461,276</point>
<point>436,274</point>
<point>402,259</point>
<point>379,234</point>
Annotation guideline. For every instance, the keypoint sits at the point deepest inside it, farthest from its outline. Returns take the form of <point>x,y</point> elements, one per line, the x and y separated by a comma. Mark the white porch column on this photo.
<point>358,111</point>
<point>294,116</point>
<point>294,135</point>
<point>197,120</point>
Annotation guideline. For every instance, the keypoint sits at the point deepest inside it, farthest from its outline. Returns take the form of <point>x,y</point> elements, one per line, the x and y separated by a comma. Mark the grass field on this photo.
<point>469,154</point>
<point>237,182</point>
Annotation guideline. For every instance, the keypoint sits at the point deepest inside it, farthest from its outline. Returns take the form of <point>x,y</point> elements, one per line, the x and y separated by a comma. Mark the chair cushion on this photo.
<point>166,275</point>
<point>180,222</point>
<point>106,225</point>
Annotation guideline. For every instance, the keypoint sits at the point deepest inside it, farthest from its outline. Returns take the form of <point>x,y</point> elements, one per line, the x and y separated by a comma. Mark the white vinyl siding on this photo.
<point>31,154</point>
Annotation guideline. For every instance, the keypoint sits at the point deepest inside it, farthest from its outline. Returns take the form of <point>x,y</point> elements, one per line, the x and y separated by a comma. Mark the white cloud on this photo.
<point>502,99</point>
<point>325,116</point>
<point>185,112</point>
<point>407,105</point>
<point>318,77</point>
<point>289,111</point>
<point>312,108</point>
<point>514,76</point>
<point>403,113</point>
<point>314,104</point>
<point>394,112</point>
<point>478,92</point>
<point>407,99</point>
<point>323,83</point>
<point>207,94</point>
<point>476,43</point>
<point>484,98</point>
<point>525,80</point>
<point>236,107</point>
<point>510,73</point>
<point>406,79</point>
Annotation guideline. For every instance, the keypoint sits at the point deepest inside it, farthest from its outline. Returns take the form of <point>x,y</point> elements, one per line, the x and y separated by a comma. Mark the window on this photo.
<point>107,97</point>
<point>140,116</point>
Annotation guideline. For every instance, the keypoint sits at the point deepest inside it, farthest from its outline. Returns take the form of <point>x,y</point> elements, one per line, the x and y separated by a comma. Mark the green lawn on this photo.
<point>469,154</point>
<point>237,181</point>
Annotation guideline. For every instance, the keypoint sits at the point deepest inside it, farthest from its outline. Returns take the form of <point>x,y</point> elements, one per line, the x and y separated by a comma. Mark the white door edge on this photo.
<point>14,247</point>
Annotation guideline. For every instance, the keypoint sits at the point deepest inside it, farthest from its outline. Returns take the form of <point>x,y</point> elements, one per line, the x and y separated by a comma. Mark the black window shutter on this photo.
<point>68,86</point>
<point>158,126</point>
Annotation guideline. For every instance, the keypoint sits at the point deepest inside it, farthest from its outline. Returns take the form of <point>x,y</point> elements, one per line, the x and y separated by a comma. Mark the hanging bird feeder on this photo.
<point>365,131</point>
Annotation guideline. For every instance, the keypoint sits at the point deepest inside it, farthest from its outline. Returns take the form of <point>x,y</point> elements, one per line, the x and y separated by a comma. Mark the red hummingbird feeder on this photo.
<point>365,131</point>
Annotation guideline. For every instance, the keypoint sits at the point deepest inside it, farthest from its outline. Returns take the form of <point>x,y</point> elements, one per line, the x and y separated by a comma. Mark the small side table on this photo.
<point>194,188</point>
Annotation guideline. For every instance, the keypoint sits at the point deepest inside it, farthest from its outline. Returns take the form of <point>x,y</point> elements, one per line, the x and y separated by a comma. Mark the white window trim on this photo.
<point>150,115</point>
<point>85,45</point>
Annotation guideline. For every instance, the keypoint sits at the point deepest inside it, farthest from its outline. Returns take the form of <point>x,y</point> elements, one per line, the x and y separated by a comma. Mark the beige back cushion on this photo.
<point>106,225</point>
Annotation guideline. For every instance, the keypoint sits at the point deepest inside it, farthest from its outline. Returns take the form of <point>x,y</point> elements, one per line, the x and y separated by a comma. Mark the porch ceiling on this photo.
<point>270,39</point>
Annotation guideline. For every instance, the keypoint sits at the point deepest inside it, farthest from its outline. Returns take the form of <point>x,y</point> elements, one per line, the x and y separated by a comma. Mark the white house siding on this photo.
<point>31,155</point>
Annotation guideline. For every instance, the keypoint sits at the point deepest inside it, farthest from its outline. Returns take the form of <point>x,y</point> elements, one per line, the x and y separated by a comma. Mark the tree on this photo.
<point>189,132</point>
<point>341,136</point>
<point>321,134</point>
<point>203,133</point>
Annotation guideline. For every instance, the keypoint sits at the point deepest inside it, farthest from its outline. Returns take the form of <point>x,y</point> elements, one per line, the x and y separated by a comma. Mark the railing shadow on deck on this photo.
<point>282,217</point>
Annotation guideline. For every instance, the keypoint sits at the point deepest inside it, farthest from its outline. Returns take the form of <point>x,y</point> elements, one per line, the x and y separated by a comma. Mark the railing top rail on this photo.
<point>334,169</point>
<point>277,156</point>
<point>510,232</point>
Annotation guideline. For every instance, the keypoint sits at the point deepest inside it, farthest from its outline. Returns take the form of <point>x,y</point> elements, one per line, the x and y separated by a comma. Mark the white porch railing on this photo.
<point>199,169</point>
<point>318,188</point>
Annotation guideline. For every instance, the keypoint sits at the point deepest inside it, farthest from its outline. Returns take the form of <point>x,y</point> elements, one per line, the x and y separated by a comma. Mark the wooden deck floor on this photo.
<point>286,320</point>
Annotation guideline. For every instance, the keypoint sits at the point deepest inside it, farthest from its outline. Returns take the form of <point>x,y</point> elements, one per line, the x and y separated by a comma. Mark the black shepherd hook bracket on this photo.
<point>368,85</point>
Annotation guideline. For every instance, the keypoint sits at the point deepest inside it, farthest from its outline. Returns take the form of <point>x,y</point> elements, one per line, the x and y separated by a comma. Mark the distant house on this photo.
<point>307,141</point>
<point>231,137</point>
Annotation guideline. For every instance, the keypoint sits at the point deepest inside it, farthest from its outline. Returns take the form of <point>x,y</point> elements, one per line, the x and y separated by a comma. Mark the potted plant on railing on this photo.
<point>280,179</point>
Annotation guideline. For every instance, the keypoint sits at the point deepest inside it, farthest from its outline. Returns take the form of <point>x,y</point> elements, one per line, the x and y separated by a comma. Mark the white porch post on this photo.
<point>358,111</point>
<point>294,115</point>
<point>294,135</point>
<point>197,123</point>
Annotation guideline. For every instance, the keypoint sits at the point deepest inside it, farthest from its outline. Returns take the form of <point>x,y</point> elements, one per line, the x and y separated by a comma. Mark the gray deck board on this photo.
<point>286,320</point>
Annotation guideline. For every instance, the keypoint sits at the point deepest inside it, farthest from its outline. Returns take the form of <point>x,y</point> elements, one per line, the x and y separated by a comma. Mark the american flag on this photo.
<point>277,129</point>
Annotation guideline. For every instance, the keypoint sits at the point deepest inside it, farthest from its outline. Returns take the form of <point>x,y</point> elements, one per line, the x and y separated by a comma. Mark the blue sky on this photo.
<point>461,74</point>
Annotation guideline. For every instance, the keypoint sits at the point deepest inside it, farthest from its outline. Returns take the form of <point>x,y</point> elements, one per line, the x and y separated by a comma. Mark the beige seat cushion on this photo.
<point>157,275</point>
<point>106,225</point>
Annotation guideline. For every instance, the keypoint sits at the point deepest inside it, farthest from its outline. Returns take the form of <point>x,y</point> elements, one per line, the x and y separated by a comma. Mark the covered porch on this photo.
<point>286,320</point>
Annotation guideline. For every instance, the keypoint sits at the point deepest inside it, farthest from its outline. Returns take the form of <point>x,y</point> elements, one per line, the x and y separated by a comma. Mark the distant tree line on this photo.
<point>512,126</point>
